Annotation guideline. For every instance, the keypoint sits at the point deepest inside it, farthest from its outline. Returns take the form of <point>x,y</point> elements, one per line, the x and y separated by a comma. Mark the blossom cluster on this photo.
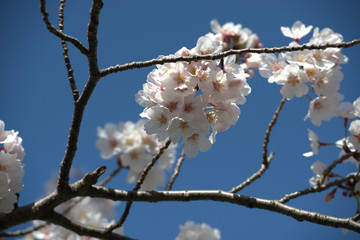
<point>195,231</point>
<point>135,149</point>
<point>11,167</point>
<point>184,100</point>
<point>309,71</point>
<point>349,145</point>
<point>87,211</point>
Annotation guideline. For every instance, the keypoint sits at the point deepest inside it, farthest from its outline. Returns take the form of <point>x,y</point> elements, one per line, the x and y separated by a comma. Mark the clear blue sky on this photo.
<point>36,101</point>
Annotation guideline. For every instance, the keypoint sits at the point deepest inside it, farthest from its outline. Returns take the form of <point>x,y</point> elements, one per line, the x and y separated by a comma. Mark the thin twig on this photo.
<point>176,171</point>
<point>318,188</point>
<point>332,166</point>
<point>102,183</point>
<point>60,34</point>
<point>22,232</point>
<point>254,176</point>
<point>111,176</point>
<point>265,159</point>
<point>70,71</point>
<point>269,129</point>
<point>162,60</point>
<point>138,185</point>
<point>356,217</point>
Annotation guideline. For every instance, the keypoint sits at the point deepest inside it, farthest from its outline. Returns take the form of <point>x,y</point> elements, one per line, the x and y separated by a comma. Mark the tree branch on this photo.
<point>176,171</point>
<point>22,232</point>
<point>70,71</point>
<point>82,230</point>
<point>266,159</point>
<point>81,103</point>
<point>92,36</point>
<point>318,188</point>
<point>255,176</point>
<point>333,165</point>
<point>143,64</point>
<point>221,196</point>
<point>268,131</point>
<point>138,185</point>
<point>60,34</point>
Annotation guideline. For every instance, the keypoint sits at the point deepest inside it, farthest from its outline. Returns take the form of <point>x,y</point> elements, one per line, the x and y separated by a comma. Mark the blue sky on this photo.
<point>36,101</point>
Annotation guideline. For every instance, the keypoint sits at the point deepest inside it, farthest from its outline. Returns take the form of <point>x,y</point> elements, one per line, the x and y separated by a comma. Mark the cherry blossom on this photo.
<point>345,110</point>
<point>317,168</point>
<point>7,197</point>
<point>315,144</point>
<point>297,31</point>
<point>327,82</point>
<point>193,101</point>
<point>293,78</point>
<point>322,108</point>
<point>135,149</point>
<point>340,143</point>
<point>108,142</point>
<point>356,104</point>
<point>354,129</point>
<point>195,143</point>
<point>11,168</point>
<point>271,66</point>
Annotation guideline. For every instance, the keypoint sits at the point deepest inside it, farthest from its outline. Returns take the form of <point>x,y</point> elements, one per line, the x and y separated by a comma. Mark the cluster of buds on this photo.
<point>184,100</point>
<point>135,149</point>
<point>11,168</point>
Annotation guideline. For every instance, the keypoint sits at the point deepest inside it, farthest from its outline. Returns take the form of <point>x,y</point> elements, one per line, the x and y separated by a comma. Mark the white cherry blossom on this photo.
<point>271,66</point>
<point>158,122</point>
<point>314,143</point>
<point>318,169</point>
<point>356,104</point>
<point>108,141</point>
<point>297,31</point>
<point>293,78</point>
<point>195,143</point>
<point>322,108</point>
<point>354,129</point>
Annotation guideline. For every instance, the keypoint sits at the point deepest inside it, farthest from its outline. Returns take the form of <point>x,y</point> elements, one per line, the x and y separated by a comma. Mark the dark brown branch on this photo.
<point>138,185</point>
<point>95,175</point>
<point>255,176</point>
<point>176,171</point>
<point>22,232</point>
<point>318,188</point>
<point>84,98</point>
<point>70,71</point>
<point>92,35</point>
<point>143,64</point>
<point>269,129</point>
<point>60,34</point>
<point>356,217</point>
<point>221,196</point>
<point>82,230</point>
